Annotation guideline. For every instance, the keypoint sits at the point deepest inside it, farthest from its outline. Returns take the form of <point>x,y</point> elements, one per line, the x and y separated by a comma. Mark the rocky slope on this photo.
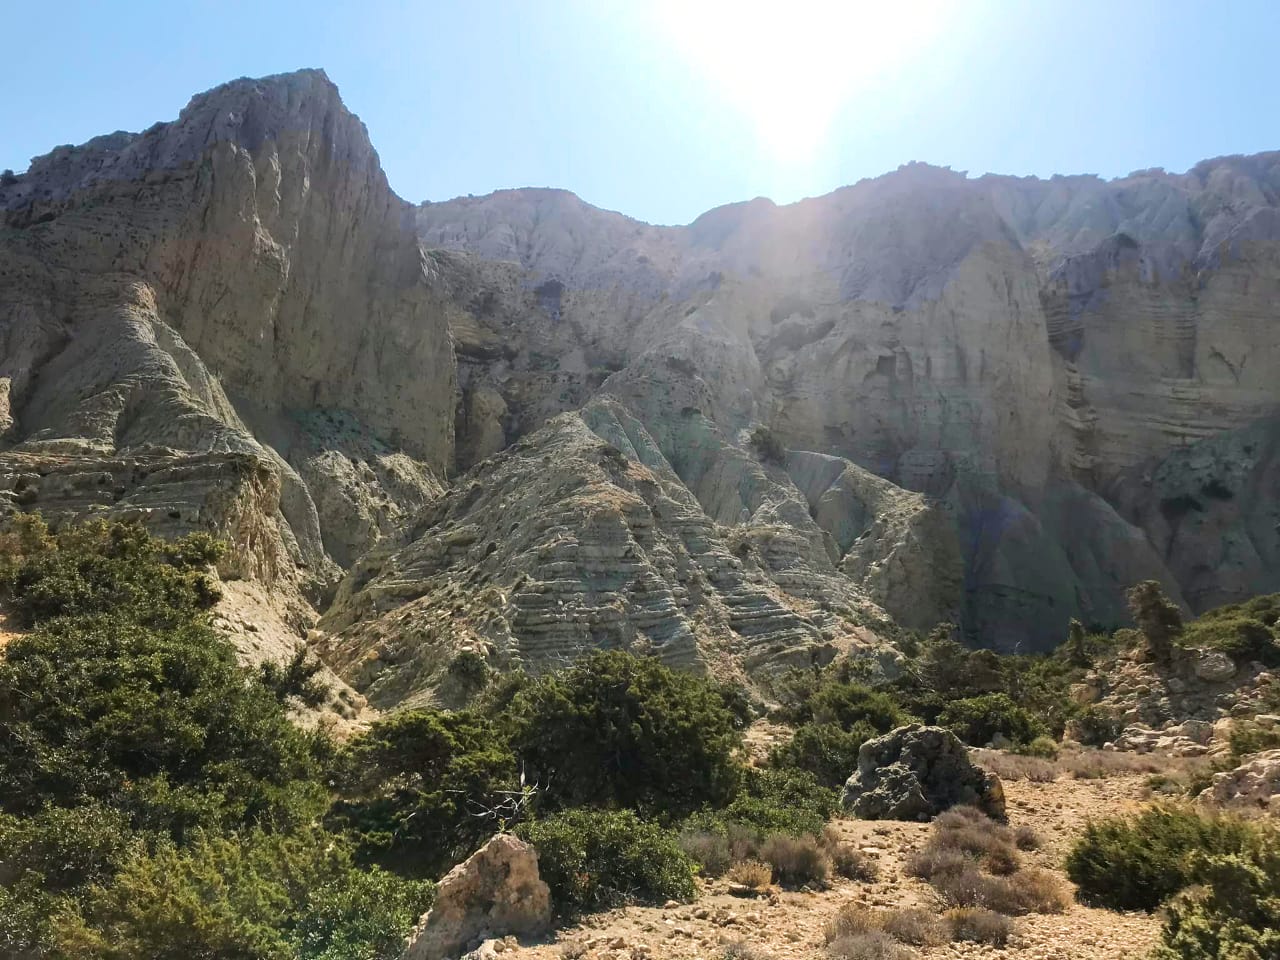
<point>521,425</point>
<point>1076,370</point>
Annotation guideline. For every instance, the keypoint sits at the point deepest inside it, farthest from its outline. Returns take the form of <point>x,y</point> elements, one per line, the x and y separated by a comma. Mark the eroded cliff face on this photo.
<point>523,426</point>
<point>1026,354</point>
<point>233,295</point>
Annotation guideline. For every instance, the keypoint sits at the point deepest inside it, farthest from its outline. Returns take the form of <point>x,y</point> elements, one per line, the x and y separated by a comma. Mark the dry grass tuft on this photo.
<point>797,860</point>
<point>916,926</point>
<point>847,860</point>
<point>978,925</point>
<point>1042,891</point>
<point>751,873</point>
<point>1026,838</point>
<point>973,862</point>
<point>1087,763</point>
<point>709,850</point>
<point>868,946</point>
<point>853,919</point>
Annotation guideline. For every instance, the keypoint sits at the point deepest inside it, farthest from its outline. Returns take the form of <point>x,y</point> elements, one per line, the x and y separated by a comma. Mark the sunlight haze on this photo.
<point>665,110</point>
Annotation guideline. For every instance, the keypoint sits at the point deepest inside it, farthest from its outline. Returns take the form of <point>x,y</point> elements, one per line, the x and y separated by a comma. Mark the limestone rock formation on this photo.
<point>1033,355</point>
<point>915,773</point>
<point>225,323</point>
<point>493,893</point>
<point>580,537</point>
<point>1252,787</point>
<point>998,401</point>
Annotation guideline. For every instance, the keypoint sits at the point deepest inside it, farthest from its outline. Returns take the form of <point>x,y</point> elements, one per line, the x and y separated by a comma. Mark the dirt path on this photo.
<point>789,924</point>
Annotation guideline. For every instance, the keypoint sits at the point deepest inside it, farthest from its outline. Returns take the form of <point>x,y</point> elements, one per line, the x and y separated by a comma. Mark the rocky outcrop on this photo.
<point>495,892</point>
<point>1027,353</point>
<point>225,323</point>
<point>1252,787</point>
<point>999,401</point>
<point>915,773</point>
<point>578,537</point>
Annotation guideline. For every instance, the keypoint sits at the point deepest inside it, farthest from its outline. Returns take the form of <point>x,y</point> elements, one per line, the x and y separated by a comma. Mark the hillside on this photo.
<point>521,426</point>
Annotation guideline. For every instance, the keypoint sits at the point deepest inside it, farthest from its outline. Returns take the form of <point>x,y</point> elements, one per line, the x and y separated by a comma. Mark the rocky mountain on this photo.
<point>521,426</point>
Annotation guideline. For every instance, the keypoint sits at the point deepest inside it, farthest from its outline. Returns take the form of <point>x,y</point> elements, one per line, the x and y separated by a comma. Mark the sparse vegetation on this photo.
<point>972,861</point>
<point>1158,618</point>
<point>767,445</point>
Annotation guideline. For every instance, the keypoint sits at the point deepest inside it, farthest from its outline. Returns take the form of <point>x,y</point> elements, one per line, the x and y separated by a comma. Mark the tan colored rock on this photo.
<point>495,892</point>
<point>1253,786</point>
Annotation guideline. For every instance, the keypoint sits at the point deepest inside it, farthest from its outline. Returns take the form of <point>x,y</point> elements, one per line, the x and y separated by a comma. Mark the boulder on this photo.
<point>1254,785</point>
<point>1214,666</point>
<point>916,772</point>
<point>495,892</point>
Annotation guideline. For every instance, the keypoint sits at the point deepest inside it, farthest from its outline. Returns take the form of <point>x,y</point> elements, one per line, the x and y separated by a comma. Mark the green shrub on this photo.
<point>244,897</point>
<point>823,750</point>
<point>977,720</point>
<point>1234,911</point>
<point>1240,637</point>
<point>1136,863</point>
<point>790,802</point>
<point>617,730</point>
<point>422,789</point>
<point>1248,738</point>
<point>1095,727</point>
<point>850,704</point>
<point>106,568</point>
<point>67,848</point>
<point>596,859</point>
<point>1046,748</point>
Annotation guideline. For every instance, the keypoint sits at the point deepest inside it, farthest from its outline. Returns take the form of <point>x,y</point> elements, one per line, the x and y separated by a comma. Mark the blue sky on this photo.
<point>664,109</point>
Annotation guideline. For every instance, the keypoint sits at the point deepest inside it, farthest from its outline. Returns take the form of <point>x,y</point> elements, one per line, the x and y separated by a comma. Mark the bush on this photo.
<point>711,851</point>
<point>916,926</point>
<point>789,802</point>
<point>594,860</point>
<point>824,750</point>
<point>422,789</point>
<point>263,896</point>
<point>755,874</point>
<point>1241,638</point>
<point>1095,727</point>
<point>977,720</point>
<point>1046,748</point>
<point>107,568</point>
<point>768,446</point>
<point>978,925</point>
<point>1026,838</point>
<point>124,693</point>
<point>1235,909</point>
<point>875,945</point>
<point>853,919</point>
<point>1137,863</point>
<point>797,860</point>
<point>1249,738</point>
<point>972,861</point>
<point>622,731</point>
<point>1157,617</point>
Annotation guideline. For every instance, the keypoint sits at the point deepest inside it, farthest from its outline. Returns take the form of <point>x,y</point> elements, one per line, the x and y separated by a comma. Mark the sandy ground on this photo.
<point>790,924</point>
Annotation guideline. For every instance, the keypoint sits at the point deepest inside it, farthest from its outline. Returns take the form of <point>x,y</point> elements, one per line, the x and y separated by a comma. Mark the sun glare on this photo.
<point>790,67</point>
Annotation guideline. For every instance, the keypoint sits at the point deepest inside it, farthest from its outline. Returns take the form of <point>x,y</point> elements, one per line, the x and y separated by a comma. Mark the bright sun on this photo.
<point>791,65</point>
